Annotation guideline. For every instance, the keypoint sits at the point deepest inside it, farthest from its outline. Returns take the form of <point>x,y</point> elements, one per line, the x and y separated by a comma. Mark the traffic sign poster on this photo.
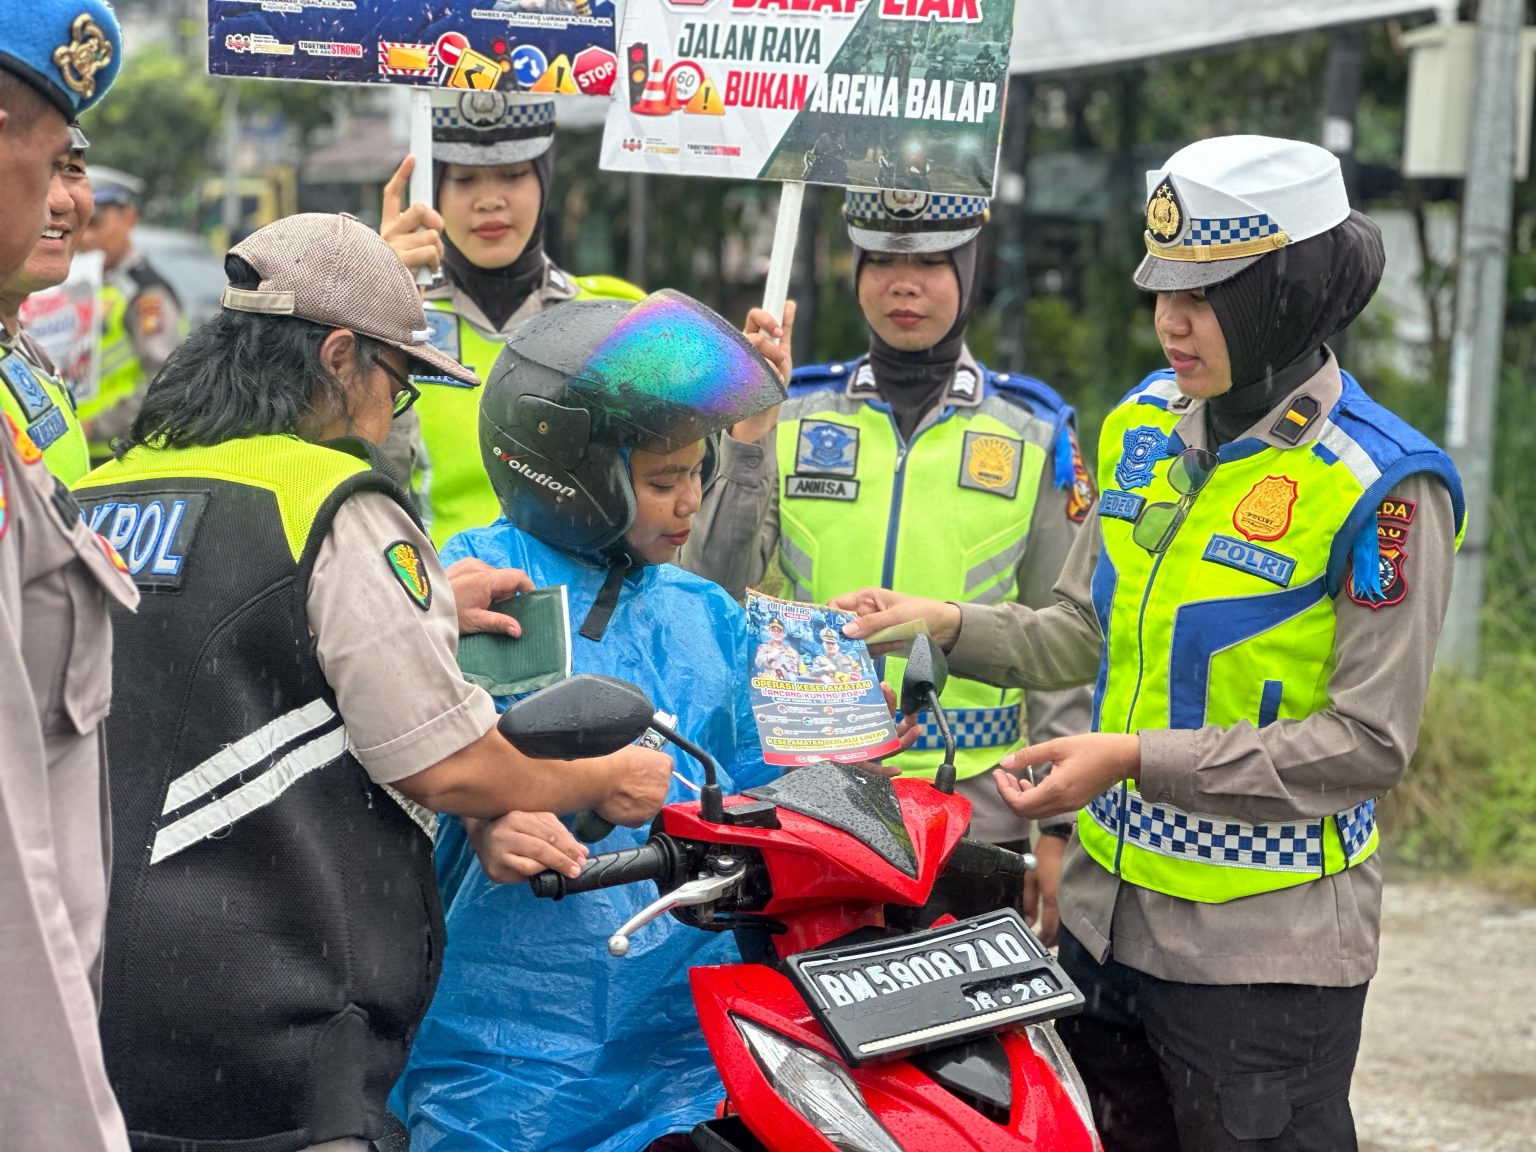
<point>872,93</point>
<point>531,45</point>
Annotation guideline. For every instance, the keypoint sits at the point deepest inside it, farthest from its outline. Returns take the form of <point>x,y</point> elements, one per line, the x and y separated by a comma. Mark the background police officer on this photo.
<point>56,577</point>
<point>915,467</point>
<point>1264,585</point>
<point>31,391</point>
<point>140,314</point>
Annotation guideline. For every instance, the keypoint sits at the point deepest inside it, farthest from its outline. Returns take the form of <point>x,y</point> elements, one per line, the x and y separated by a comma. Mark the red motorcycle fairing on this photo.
<point>826,882</point>
<point>917,1112</point>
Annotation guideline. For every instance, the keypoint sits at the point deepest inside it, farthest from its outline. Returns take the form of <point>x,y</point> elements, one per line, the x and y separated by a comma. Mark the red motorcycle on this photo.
<point>864,1017</point>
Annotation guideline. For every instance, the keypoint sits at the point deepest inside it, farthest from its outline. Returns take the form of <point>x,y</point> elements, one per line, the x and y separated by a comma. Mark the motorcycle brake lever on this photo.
<point>704,890</point>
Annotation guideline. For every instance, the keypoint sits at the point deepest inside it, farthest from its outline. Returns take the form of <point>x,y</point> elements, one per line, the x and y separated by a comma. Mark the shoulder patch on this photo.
<point>1083,494</point>
<point>405,563</point>
<point>26,448</point>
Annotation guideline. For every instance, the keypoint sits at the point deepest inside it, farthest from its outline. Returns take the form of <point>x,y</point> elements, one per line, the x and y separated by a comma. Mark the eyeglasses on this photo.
<point>408,393</point>
<point>1157,524</point>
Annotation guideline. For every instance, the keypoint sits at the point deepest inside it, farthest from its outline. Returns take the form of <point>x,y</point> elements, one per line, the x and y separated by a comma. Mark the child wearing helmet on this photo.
<point>598,430</point>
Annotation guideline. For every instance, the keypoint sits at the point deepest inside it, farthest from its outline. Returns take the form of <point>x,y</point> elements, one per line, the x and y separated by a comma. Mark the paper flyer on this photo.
<point>891,94</point>
<point>815,694</point>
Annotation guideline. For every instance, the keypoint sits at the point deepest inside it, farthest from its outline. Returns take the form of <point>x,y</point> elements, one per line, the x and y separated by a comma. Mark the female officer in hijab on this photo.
<point>1258,600</point>
<point>916,467</point>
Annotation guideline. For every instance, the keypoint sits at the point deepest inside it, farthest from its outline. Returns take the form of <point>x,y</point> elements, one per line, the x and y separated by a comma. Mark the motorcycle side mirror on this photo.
<point>926,672</point>
<point>585,715</point>
<point>921,683</point>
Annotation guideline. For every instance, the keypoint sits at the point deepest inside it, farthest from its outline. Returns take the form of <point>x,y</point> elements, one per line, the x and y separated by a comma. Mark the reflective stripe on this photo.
<point>249,797</point>
<point>972,728</point>
<point>995,594</point>
<point>1170,831</point>
<point>796,564</point>
<point>245,752</point>
<point>1356,827</point>
<point>1004,561</point>
<point>1355,458</point>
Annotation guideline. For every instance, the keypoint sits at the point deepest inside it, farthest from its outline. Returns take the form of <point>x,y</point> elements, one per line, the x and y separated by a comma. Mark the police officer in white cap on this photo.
<point>916,467</point>
<point>1258,601</point>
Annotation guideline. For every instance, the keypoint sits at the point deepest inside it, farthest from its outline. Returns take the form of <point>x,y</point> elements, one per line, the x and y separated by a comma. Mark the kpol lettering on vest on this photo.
<point>153,536</point>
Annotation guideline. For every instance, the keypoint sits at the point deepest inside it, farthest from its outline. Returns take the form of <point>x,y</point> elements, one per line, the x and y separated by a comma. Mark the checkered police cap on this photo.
<point>337,272</point>
<point>1219,205</point>
<point>490,127</point>
<point>892,220</point>
<point>69,50</point>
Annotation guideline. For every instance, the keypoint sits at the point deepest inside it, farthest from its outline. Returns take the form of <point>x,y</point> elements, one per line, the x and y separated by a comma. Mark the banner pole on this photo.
<point>785,229</point>
<point>421,148</point>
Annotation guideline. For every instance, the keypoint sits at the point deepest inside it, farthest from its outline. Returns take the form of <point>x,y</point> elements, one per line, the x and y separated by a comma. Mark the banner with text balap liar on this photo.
<point>869,93</point>
<point>551,46</point>
<point>65,321</point>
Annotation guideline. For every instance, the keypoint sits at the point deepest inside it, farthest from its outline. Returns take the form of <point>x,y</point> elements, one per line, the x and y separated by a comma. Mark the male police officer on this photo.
<point>56,59</point>
<point>917,468</point>
<point>140,313</point>
<point>31,390</point>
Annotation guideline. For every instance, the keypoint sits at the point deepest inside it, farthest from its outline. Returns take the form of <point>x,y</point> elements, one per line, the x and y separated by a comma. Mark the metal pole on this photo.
<point>639,222</point>
<point>1477,341</point>
<point>230,209</point>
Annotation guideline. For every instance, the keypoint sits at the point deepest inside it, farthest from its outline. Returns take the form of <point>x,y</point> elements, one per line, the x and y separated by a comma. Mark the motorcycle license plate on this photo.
<point>904,994</point>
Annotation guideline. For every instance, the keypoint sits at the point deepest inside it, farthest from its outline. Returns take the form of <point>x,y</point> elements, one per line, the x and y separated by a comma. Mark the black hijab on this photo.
<point>499,292</point>
<point>910,382</point>
<point>1277,314</point>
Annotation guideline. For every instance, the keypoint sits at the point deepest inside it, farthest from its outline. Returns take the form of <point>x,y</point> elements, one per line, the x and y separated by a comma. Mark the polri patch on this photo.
<point>821,488</point>
<point>1141,449</point>
<point>827,448</point>
<point>151,537</point>
<point>405,562</point>
<point>24,385</point>
<point>1247,557</point>
<point>990,463</point>
<point>1120,505</point>
<point>48,429</point>
<point>29,452</point>
<point>1265,513</point>
<point>1082,497</point>
<point>1394,581</point>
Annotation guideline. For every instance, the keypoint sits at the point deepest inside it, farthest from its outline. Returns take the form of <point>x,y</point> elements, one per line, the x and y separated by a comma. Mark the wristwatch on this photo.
<point>1060,831</point>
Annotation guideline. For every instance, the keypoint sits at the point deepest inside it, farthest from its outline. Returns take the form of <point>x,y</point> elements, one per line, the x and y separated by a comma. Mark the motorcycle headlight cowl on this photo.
<point>817,1088</point>
<point>1048,1046</point>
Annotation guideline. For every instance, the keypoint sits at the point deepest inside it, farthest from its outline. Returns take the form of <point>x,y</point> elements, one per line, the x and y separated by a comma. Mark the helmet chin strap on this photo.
<point>620,562</point>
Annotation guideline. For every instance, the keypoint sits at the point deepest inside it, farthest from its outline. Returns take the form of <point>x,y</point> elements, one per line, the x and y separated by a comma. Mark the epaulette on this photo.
<point>812,377</point>
<point>1045,403</point>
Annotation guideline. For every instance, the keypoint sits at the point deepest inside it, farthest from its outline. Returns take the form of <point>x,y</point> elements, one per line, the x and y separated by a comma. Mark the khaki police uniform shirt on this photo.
<point>736,532</point>
<point>56,578</point>
<point>1321,933</point>
<point>391,662</point>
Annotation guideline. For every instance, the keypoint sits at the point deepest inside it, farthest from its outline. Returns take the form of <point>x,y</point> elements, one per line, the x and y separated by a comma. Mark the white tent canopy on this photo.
<point>1057,35</point>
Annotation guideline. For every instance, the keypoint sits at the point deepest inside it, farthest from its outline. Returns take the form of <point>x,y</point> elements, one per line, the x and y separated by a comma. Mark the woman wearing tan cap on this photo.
<point>288,708</point>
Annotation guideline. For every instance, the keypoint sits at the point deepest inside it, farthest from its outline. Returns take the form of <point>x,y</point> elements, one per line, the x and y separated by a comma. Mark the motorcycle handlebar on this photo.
<point>981,859</point>
<point>653,860</point>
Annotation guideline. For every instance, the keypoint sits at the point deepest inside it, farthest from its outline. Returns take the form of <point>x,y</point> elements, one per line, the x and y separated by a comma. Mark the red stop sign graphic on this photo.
<point>595,70</point>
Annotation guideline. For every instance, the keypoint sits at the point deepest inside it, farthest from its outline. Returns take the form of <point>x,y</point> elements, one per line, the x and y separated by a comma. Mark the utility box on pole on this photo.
<point>1442,65</point>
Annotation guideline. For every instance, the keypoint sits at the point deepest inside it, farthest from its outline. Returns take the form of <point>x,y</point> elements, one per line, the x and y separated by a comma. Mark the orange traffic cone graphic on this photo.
<point>653,101</point>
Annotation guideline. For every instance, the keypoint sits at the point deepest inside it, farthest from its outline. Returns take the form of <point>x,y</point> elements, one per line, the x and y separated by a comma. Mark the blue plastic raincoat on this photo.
<point>538,1040</point>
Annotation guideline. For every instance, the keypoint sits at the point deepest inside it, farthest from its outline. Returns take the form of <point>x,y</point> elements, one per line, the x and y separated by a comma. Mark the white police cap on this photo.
<point>483,128</point>
<point>894,220</point>
<point>1219,205</point>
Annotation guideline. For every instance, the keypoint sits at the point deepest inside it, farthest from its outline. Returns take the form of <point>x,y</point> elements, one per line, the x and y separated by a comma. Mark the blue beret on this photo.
<point>69,50</point>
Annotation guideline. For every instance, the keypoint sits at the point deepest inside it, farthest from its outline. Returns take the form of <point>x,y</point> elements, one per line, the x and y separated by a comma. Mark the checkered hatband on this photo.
<point>490,128</point>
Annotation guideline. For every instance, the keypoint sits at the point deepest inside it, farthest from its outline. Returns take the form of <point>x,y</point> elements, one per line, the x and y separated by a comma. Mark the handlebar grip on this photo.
<point>650,861</point>
<point>982,859</point>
